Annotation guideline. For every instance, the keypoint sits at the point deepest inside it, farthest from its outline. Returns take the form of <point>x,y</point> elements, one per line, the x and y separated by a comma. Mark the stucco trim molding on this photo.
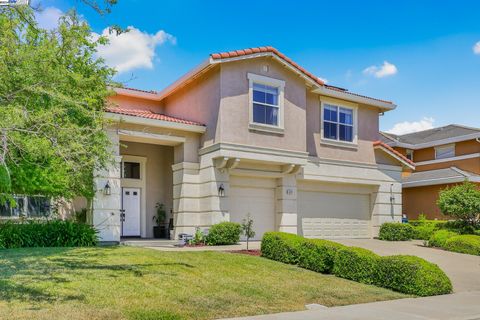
<point>457,158</point>
<point>263,154</point>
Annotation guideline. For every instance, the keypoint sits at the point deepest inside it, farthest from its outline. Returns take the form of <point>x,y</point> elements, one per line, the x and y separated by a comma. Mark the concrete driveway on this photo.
<point>462,269</point>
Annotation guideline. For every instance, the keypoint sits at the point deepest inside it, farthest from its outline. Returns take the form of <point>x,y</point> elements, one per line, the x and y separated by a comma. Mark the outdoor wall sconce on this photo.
<point>221,191</point>
<point>107,190</point>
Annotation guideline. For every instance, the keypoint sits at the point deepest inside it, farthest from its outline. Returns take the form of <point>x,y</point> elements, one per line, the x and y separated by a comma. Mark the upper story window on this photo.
<point>266,103</point>
<point>444,152</point>
<point>338,123</point>
<point>409,154</point>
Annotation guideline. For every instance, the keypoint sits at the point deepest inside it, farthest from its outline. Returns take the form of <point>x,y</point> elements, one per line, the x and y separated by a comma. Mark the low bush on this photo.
<point>318,255</point>
<point>395,231</point>
<point>469,244</point>
<point>412,275</point>
<point>281,246</point>
<point>224,233</point>
<point>440,237</point>
<point>460,227</point>
<point>356,264</point>
<point>424,231</point>
<point>55,233</point>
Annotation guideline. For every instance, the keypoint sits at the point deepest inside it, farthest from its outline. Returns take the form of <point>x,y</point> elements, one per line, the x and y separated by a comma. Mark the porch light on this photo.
<point>107,190</point>
<point>221,191</point>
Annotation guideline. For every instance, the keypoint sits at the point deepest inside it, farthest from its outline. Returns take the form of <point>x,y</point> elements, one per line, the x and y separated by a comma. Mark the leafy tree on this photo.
<point>461,202</point>
<point>52,94</point>
<point>247,227</point>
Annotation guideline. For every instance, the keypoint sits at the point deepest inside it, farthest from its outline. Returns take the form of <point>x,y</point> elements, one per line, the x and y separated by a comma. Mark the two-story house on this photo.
<point>249,132</point>
<point>443,157</point>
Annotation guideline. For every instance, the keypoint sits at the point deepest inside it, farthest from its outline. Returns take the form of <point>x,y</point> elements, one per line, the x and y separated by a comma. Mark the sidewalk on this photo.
<point>458,306</point>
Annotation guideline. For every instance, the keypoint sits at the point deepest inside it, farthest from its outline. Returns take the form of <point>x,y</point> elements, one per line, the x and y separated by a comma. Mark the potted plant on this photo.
<point>160,230</point>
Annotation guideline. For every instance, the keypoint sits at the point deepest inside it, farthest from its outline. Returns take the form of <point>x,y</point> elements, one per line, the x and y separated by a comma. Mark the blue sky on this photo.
<point>420,54</point>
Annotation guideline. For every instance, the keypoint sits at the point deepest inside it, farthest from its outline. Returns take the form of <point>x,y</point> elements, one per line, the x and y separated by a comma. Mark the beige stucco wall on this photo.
<point>135,103</point>
<point>234,105</point>
<point>198,101</point>
<point>159,178</point>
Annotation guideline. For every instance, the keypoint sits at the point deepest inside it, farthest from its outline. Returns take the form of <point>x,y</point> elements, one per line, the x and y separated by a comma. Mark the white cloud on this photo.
<point>48,17</point>
<point>323,79</point>
<point>385,70</point>
<point>476,48</point>
<point>133,49</point>
<point>414,126</point>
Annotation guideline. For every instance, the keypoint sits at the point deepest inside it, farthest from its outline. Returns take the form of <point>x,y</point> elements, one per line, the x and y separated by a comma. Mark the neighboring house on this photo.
<point>443,157</point>
<point>249,132</point>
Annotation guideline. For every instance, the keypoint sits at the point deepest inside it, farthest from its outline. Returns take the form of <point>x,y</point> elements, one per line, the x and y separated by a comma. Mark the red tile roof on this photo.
<point>249,51</point>
<point>398,154</point>
<point>150,115</point>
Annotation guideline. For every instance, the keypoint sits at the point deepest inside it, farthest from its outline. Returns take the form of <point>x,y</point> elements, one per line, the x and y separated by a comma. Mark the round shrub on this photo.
<point>224,233</point>
<point>356,264</point>
<point>469,244</point>
<point>281,246</point>
<point>440,237</point>
<point>318,255</point>
<point>396,231</point>
<point>412,275</point>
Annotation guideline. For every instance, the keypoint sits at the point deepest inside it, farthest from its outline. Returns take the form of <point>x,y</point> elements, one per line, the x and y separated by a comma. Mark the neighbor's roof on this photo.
<point>439,176</point>
<point>428,138</point>
<point>394,153</point>
<point>150,115</point>
<point>317,84</point>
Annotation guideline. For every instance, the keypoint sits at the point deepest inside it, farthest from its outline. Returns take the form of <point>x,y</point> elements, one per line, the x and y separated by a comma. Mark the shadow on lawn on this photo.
<point>21,271</point>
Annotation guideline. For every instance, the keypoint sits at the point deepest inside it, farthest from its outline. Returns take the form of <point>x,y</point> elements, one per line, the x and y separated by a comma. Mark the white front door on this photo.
<point>131,207</point>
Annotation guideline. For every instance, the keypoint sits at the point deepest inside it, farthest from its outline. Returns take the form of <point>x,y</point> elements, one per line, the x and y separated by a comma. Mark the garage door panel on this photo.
<point>334,215</point>
<point>259,202</point>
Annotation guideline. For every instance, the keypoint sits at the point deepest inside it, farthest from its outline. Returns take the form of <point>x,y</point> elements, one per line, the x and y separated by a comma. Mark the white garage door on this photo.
<point>333,215</point>
<point>254,196</point>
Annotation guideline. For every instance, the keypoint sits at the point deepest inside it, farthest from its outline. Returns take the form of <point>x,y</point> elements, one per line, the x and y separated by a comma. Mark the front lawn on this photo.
<point>134,283</point>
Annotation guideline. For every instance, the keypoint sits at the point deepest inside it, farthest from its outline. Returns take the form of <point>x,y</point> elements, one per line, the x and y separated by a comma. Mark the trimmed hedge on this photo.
<point>224,233</point>
<point>424,231</point>
<point>318,255</point>
<point>54,233</point>
<point>405,274</point>
<point>280,246</point>
<point>356,264</point>
<point>412,275</point>
<point>440,237</point>
<point>469,244</point>
<point>396,231</point>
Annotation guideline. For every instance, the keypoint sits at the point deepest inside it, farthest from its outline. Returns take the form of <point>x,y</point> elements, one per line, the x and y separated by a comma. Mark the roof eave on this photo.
<point>395,156</point>
<point>136,94</point>
<point>383,105</point>
<point>438,142</point>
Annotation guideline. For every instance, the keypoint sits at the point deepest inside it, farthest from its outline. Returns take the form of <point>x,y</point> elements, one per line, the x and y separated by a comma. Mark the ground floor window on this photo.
<point>27,206</point>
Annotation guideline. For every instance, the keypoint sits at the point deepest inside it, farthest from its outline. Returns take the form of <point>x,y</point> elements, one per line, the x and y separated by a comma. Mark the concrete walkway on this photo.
<point>462,269</point>
<point>458,306</point>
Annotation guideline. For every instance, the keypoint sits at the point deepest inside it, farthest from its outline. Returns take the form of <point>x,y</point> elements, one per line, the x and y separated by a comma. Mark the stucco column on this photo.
<point>106,208</point>
<point>286,204</point>
<point>387,205</point>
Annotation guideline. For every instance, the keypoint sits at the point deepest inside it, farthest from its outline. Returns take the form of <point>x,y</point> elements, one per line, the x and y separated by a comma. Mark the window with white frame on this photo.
<point>266,109</point>
<point>338,123</point>
<point>444,152</point>
<point>409,154</point>
<point>266,102</point>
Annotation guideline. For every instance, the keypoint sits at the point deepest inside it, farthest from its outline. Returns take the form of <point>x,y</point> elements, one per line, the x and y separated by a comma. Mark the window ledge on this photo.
<point>266,128</point>
<point>336,143</point>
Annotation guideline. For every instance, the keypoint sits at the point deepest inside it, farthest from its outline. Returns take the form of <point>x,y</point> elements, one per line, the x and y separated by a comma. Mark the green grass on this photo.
<point>134,283</point>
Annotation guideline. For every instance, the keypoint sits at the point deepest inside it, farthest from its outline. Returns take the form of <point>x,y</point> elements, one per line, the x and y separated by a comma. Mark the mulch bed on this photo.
<point>256,253</point>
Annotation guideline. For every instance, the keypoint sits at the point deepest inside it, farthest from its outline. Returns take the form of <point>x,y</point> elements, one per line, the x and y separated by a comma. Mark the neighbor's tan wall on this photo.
<point>367,134</point>
<point>159,176</point>
<point>234,110</point>
<point>472,165</point>
<point>135,103</point>
<point>198,101</point>
<point>422,200</point>
<point>461,148</point>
